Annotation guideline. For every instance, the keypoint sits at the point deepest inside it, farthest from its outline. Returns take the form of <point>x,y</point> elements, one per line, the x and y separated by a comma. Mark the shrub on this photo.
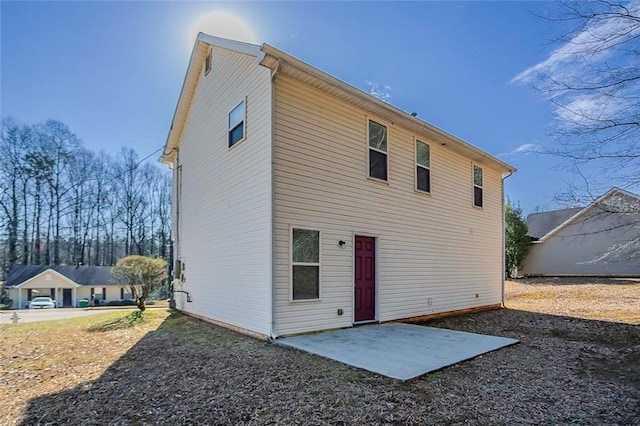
<point>141,274</point>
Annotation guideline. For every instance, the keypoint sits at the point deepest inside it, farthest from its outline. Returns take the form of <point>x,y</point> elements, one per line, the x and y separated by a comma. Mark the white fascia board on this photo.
<point>236,46</point>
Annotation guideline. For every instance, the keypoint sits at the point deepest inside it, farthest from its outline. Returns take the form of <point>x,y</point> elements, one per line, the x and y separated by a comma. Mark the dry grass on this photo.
<point>590,298</point>
<point>172,369</point>
<point>43,357</point>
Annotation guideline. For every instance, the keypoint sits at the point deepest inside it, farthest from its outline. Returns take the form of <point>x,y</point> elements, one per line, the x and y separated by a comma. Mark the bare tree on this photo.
<point>161,194</point>
<point>101,167</point>
<point>80,200</point>
<point>60,145</point>
<point>61,203</point>
<point>39,167</point>
<point>10,197</point>
<point>593,80</point>
<point>130,181</point>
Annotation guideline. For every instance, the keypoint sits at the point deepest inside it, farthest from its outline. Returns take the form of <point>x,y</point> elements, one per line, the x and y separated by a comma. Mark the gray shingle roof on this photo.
<point>83,275</point>
<point>540,224</point>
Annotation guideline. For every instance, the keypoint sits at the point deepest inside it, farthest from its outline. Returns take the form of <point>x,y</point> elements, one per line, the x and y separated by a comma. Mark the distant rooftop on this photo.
<point>540,224</point>
<point>83,275</point>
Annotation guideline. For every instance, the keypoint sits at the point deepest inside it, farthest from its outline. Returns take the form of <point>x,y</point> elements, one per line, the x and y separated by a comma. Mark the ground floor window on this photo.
<point>305,264</point>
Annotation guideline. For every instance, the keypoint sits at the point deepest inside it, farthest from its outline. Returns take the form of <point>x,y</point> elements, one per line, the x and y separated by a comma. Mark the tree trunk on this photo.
<point>25,229</point>
<point>38,213</point>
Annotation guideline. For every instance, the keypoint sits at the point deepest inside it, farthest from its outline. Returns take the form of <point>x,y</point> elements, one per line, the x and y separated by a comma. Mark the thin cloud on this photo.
<point>573,77</point>
<point>586,47</point>
<point>381,92</point>
<point>524,149</point>
<point>585,109</point>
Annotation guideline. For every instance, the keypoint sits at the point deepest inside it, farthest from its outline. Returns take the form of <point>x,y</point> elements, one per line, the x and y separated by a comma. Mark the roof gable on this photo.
<point>577,213</point>
<point>81,275</point>
<point>541,223</point>
<point>196,61</point>
<point>46,272</point>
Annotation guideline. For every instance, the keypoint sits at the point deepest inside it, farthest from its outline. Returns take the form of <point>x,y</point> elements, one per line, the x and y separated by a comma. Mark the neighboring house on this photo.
<point>303,204</point>
<point>602,239</point>
<point>65,284</point>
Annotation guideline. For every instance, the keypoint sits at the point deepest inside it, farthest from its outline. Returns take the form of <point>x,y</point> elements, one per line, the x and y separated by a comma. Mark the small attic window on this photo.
<point>207,63</point>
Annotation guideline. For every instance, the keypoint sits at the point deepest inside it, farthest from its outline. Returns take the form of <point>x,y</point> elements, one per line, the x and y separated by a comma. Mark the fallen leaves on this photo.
<point>171,369</point>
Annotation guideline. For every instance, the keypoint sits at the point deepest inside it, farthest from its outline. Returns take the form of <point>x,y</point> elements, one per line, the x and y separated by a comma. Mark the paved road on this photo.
<point>35,315</point>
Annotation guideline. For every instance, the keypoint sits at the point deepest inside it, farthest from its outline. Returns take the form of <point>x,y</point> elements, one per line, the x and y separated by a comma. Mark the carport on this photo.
<point>400,351</point>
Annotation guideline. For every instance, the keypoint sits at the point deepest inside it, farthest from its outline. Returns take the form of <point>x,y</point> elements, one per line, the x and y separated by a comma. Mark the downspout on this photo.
<point>175,214</point>
<point>504,260</point>
<point>273,334</point>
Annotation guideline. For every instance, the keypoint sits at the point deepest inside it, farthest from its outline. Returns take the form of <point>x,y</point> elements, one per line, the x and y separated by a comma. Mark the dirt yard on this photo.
<point>172,369</point>
<point>607,299</point>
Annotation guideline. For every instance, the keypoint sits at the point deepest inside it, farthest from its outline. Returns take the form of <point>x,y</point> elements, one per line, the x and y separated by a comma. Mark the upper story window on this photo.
<point>207,63</point>
<point>378,164</point>
<point>305,264</point>
<point>237,118</point>
<point>477,186</point>
<point>423,167</point>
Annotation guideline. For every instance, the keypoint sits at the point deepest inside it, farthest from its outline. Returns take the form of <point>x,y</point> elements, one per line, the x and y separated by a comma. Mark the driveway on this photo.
<point>35,315</point>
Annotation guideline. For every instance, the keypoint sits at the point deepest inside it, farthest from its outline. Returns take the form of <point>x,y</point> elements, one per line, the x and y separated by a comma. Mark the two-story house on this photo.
<point>302,203</point>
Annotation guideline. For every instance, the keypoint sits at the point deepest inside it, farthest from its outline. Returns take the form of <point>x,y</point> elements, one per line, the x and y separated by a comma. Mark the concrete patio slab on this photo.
<point>400,351</point>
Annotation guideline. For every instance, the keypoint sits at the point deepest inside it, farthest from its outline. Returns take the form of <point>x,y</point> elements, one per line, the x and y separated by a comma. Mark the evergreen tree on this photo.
<point>517,239</point>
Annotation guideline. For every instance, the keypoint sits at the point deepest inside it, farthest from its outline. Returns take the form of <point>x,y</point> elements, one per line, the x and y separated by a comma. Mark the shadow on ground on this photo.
<point>559,281</point>
<point>565,370</point>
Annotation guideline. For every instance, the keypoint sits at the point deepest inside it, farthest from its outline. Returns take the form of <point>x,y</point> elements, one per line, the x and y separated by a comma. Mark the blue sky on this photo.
<point>112,71</point>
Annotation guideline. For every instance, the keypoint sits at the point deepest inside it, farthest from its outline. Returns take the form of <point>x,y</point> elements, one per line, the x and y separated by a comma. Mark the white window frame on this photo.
<point>369,149</point>
<point>208,62</point>
<point>474,186</point>
<point>292,264</point>
<point>415,170</point>
<point>230,127</point>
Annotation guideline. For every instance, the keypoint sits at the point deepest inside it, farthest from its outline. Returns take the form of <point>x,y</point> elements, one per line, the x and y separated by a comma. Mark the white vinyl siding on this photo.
<point>112,293</point>
<point>224,228</point>
<point>433,248</point>
<point>578,248</point>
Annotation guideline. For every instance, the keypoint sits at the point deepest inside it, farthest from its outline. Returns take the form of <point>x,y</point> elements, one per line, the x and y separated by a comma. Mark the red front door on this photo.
<point>365,279</point>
